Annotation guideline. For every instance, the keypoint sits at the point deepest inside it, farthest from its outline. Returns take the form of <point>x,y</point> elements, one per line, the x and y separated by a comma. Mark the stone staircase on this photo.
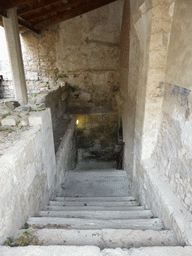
<point>101,221</point>
<point>93,216</point>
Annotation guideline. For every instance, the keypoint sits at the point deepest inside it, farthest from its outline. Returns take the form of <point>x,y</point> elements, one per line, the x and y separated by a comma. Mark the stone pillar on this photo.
<point>14,47</point>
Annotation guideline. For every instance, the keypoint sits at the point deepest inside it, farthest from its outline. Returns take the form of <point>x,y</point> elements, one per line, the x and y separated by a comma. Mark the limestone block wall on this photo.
<point>56,100</point>
<point>66,156</point>
<point>97,135</point>
<point>173,152</point>
<point>84,51</point>
<point>161,166</point>
<point>27,174</point>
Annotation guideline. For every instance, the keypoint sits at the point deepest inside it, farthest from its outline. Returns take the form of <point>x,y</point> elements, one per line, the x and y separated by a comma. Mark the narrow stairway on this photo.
<point>96,208</point>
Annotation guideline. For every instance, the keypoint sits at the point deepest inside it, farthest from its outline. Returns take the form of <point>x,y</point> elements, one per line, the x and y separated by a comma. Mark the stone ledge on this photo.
<point>172,212</point>
<point>94,251</point>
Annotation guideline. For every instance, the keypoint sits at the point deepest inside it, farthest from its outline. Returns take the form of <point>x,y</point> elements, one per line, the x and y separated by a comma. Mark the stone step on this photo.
<point>146,214</point>
<point>86,203</point>
<point>75,223</point>
<point>110,238</point>
<point>100,199</point>
<point>92,208</point>
<point>95,251</point>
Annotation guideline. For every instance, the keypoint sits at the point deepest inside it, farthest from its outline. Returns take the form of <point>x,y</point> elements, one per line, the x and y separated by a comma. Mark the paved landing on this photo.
<point>96,183</point>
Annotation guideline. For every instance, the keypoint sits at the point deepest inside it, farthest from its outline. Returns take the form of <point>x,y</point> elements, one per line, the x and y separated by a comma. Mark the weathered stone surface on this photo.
<point>52,251</point>
<point>9,120</point>
<point>84,96</point>
<point>159,251</point>
<point>24,121</point>
<point>65,156</point>
<point>105,238</point>
<point>9,105</point>
<point>23,108</point>
<point>64,95</point>
<point>44,85</point>
<point>26,167</point>
<point>97,134</point>
<point>93,251</point>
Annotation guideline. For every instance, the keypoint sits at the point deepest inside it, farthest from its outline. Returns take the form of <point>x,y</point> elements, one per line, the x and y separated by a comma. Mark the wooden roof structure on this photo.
<point>38,14</point>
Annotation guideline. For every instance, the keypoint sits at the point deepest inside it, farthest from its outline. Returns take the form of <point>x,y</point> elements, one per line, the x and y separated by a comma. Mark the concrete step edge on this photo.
<point>93,208</point>
<point>98,214</point>
<point>105,199</point>
<point>93,203</point>
<point>111,238</point>
<point>76,223</point>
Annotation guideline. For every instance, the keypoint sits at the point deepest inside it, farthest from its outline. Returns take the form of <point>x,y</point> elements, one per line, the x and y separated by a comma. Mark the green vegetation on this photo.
<point>27,238</point>
<point>35,94</point>
<point>60,75</point>
<point>37,110</point>
<point>10,131</point>
<point>5,115</point>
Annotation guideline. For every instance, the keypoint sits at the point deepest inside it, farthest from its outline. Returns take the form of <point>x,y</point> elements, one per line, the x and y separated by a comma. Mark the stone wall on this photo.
<point>66,157</point>
<point>84,51</point>
<point>56,100</point>
<point>159,105</point>
<point>173,152</point>
<point>97,135</point>
<point>27,174</point>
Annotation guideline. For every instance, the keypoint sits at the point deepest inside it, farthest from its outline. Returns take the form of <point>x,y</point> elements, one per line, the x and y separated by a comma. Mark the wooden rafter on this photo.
<point>21,22</point>
<point>18,3</point>
<point>39,7</point>
<point>29,26</point>
<point>35,16</point>
<point>3,12</point>
<point>62,16</point>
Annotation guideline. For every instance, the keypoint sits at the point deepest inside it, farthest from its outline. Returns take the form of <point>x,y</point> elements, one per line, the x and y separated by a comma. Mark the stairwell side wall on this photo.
<point>159,106</point>
<point>66,157</point>
<point>27,174</point>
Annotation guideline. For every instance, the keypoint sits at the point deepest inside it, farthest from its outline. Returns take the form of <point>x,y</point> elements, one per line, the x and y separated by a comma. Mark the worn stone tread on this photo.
<point>109,199</point>
<point>110,238</point>
<point>92,208</point>
<point>75,223</point>
<point>86,203</point>
<point>94,251</point>
<point>146,214</point>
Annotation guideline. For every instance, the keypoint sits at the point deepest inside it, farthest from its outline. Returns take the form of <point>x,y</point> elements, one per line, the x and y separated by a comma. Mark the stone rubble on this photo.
<point>13,122</point>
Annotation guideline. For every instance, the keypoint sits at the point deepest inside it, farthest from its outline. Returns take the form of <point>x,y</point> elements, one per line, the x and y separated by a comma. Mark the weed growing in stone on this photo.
<point>10,131</point>
<point>35,94</point>
<point>27,238</point>
<point>5,115</point>
<point>60,75</point>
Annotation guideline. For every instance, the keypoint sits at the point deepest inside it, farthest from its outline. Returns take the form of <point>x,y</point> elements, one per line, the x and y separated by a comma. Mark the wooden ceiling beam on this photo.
<point>21,22</point>
<point>62,16</point>
<point>38,7</point>
<point>3,12</point>
<point>18,3</point>
<point>29,26</point>
<point>46,13</point>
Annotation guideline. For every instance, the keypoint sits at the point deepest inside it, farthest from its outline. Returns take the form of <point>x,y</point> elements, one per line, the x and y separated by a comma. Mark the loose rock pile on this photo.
<point>13,122</point>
